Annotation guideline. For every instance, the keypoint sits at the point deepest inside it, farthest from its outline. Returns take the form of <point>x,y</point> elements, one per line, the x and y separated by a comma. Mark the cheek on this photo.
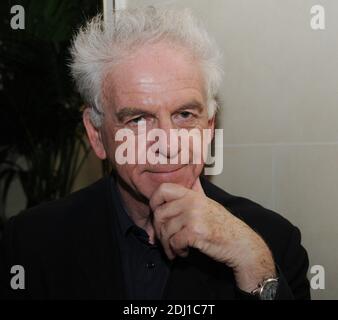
<point>127,172</point>
<point>132,176</point>
<point>197,170</point>
<point>199,147</point>
<point>117,151</point>
<point>108,140</point>
<point>136,179</point>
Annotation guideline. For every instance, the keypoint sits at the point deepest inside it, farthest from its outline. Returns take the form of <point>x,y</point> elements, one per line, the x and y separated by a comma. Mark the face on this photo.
<point>160,87</point>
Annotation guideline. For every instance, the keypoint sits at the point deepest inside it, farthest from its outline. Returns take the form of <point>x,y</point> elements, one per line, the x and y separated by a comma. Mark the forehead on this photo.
<point>158,74</point>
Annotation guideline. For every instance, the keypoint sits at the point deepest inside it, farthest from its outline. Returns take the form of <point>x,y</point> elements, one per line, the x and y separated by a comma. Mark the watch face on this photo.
<point>269,290</point>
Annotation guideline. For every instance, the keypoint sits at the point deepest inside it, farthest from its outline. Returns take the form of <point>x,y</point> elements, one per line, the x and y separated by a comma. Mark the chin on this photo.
<point>151,180</point>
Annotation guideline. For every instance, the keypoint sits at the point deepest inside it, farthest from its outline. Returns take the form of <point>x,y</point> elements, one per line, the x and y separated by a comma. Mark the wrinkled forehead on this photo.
<point>159,73</point>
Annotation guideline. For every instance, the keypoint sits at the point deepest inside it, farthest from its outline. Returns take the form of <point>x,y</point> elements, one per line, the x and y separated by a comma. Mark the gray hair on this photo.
<point>99,45</point>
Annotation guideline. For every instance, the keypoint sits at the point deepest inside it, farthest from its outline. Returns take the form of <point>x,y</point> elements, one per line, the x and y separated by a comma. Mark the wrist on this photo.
<point>249,276</point>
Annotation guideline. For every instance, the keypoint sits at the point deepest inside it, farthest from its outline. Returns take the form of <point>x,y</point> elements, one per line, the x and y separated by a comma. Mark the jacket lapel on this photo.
<point>98,252</point>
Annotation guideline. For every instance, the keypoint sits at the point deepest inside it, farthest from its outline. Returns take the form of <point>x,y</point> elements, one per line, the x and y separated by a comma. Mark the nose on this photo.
<point>168,144</point>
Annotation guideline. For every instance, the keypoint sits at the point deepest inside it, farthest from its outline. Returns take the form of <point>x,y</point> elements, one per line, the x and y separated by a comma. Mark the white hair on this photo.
<point>99,45</point>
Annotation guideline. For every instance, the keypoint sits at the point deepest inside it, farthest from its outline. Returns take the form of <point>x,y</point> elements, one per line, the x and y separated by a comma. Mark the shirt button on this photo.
<point>150,265</point>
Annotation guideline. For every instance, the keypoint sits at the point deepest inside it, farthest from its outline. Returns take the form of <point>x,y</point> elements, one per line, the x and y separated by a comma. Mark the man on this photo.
<point>151,231</point>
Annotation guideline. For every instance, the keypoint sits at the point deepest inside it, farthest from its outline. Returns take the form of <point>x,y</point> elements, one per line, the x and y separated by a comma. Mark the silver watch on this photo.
<point>267,289</point>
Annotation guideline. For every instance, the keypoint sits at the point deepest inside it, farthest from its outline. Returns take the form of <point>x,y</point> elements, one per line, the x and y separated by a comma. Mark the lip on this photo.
<point>166,174</point>
<point>166,169</point>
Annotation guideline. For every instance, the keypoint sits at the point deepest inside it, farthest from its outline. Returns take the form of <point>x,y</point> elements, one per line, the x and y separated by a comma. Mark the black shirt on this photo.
<point>146,267</point>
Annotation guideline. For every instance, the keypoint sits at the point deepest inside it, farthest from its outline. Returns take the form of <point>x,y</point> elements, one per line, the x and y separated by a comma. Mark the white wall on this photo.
<point>280,114</point>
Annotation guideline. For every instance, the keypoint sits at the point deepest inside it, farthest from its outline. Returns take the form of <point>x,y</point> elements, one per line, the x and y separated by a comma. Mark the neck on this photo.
<point>138,209</point>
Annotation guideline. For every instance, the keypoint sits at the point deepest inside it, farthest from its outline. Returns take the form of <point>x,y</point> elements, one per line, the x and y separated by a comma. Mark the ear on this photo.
<point>211,125</point>
<point>94,135</point>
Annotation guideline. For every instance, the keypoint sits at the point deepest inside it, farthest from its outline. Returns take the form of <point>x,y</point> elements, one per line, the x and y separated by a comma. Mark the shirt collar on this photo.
<point>127,225</point>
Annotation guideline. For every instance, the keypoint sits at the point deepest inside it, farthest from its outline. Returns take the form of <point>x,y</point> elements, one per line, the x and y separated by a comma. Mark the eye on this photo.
<point>185,114</point>
<point>137,120</point>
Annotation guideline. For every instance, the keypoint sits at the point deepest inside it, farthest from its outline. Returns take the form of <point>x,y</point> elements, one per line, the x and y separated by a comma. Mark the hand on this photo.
<point>186,218</point>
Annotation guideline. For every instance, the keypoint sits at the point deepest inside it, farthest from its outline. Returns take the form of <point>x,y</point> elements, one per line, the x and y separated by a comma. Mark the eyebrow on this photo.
<point>127,112</point>
<point>193,105</point>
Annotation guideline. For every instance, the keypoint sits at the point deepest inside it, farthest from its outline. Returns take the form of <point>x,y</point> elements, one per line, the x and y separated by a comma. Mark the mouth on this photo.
<point>167,173</point>
<point>166,169</point>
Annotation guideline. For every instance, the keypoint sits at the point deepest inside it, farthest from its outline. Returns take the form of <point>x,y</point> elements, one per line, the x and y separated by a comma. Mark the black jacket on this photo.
<point>69,251</point>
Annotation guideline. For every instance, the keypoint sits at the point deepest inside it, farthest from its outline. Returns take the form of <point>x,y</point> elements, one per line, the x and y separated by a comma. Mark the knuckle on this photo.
<point>191,240</point>
<point>157,212</point>
<point>173,241</point>
<point>196,229</point>
<point>163,230</point>
<point>160,213</point>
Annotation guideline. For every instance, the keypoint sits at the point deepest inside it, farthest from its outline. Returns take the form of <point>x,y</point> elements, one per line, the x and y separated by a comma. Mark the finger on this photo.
<point>170,209</point>
<point>164,212</point>
<point>165,244</point>
<point>165,193</point>
<point>197,186</point>
<point>167,212</point>
<point>181,241</point>
<point>168,229</point>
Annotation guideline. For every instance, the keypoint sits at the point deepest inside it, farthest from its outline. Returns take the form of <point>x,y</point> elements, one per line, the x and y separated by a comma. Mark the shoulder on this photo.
<point>79,201</point>
<point>56,220</point>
